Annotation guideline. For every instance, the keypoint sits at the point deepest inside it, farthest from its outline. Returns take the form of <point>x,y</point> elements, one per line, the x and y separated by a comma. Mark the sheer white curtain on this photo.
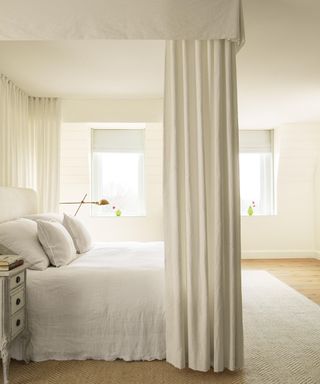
<point>45,122</point>
<point>202,206</point>
<point>29,143</point>
<point>16,137</point>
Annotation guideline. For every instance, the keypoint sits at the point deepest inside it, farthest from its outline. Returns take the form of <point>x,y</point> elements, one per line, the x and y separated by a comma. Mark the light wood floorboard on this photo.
<point>300,274</point>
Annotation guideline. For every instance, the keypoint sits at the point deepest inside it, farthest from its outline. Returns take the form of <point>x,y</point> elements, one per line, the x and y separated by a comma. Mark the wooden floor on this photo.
<point>301,274</point>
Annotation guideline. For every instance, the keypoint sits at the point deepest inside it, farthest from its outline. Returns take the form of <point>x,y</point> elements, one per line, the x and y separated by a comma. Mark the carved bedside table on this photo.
<point>12,312</point>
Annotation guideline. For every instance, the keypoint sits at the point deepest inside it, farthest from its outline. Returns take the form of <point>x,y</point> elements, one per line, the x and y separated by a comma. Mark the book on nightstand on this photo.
<point>8,262</point>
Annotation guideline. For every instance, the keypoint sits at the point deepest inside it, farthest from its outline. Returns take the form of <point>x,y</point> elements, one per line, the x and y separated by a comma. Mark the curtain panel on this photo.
<point>202,206</point>
<point>45,122</point>
<point>16,137</point>
<point>29,143</point>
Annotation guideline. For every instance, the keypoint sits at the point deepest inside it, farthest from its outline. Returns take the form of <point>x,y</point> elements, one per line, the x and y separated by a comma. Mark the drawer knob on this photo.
<point>18,278</point>
<point>18,322</point>
<point>18,301</point>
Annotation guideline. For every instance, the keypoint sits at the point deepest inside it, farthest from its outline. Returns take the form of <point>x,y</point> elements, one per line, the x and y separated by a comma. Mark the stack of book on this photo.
<point>8,262</point>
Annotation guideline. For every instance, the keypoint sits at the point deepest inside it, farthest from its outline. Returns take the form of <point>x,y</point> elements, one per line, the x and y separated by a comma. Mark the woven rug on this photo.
<point>282,346</point>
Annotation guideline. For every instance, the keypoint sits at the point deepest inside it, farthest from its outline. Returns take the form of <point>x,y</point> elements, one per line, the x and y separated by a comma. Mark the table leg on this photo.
<point>5,360</point>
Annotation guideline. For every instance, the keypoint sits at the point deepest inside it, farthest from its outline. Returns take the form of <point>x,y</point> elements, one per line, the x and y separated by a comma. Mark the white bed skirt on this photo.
<point>107,304</point>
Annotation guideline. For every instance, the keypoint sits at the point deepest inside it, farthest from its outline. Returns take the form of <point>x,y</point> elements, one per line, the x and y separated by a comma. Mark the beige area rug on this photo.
<point>282,346</point>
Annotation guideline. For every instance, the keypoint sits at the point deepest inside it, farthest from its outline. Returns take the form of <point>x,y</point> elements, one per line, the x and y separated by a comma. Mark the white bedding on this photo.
<point>106,304</point>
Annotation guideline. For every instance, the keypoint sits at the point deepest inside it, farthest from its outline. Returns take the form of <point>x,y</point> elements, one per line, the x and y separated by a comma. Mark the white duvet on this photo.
<point>107,304</point>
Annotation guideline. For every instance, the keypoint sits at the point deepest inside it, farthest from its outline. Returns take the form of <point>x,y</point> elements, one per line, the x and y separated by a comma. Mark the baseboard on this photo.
<point>317,254</point>
<point>281,254</point>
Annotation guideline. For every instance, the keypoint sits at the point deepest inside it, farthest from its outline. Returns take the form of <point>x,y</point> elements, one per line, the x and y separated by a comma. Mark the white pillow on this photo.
<point>51,216</point>
<point>5,251</point>
<point>56,242</point>
<point>79,233</point>
<point>20,238</point>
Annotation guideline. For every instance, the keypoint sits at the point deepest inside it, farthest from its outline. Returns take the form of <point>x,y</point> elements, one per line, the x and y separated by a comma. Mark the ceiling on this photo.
<point>85,68</point>
<point>278,68</point>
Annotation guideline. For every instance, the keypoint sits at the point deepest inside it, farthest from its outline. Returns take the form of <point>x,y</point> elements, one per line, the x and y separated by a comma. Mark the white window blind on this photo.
<point>118,140</point>
<point>256,172</point>
<point>255,141</point>
<point>118,171</point>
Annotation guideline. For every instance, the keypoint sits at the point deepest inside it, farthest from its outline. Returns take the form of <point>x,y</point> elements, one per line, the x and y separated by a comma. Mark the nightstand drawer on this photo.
<point>17,323</point>
<point>16,280</point>
<point>16,300</point>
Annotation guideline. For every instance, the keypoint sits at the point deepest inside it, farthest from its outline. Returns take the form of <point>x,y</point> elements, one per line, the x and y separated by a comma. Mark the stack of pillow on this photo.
<point>45,239</point>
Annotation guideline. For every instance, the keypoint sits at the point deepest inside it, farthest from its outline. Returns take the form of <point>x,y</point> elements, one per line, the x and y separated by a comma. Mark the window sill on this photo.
<point>118,217</point>
<point>269,215</point>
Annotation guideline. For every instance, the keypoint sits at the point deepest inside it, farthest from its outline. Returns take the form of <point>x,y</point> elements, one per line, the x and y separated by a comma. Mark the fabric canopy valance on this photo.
<point>121,19</point>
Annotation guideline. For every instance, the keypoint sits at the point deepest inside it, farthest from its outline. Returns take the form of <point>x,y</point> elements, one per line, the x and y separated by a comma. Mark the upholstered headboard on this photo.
<point>17,202</point>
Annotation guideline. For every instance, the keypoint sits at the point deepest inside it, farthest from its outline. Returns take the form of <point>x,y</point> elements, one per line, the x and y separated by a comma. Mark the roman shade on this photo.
<point>255,141</point>
<point>118,140</point>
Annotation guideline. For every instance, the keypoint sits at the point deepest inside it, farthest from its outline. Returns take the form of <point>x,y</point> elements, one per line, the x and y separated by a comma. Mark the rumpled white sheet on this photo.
<point>107,304</point>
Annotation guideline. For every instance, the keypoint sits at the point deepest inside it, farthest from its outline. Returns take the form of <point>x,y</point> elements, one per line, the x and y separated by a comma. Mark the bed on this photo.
<point>106,304</point>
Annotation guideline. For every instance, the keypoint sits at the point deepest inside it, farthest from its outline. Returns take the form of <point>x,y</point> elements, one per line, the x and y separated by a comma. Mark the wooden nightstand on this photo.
<point>12,312</point>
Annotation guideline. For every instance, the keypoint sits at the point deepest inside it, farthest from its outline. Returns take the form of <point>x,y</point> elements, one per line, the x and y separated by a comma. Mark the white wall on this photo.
<point>112,110</point>
<point>317,208</point>
<point>292,231</point>
<point>79,117</point>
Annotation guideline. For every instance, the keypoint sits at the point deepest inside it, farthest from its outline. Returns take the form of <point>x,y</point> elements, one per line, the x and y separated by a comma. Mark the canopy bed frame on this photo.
<point>201,181</point>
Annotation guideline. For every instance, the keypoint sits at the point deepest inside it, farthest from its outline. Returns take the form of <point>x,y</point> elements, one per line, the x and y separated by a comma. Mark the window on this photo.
<point>118,171</point>
<point>256,172</point>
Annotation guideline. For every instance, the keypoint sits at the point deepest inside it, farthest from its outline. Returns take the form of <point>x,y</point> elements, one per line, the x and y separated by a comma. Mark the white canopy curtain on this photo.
<point>16,137</point>
<point>120,19</point>
<point>202,206</point>
<point>201,186</point>
<point>45,122</point>
<point>29,143</point>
